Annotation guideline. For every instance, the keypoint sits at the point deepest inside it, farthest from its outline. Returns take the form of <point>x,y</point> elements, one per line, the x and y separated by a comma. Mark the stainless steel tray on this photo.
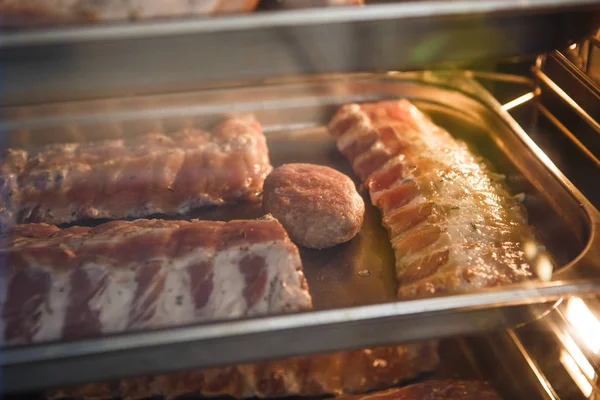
<point>151,57</point>
<point>498,358</point>
<point>352,310</point>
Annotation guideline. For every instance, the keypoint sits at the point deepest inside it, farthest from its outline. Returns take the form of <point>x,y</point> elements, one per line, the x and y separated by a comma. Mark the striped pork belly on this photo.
<point>80,282</point>
<point>452,224</point>
<point>60,284</point>
<point>135,177</point>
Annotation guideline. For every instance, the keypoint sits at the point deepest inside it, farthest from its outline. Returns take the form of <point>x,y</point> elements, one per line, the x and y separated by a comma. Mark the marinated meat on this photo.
<point>453,225</point>
<point>318,3</point>
<point>78,282</point>
<point>317,205</point>
<point>145,175</point>
<point>17,13</point>
<point>435,390</point>
<point>316,375</point>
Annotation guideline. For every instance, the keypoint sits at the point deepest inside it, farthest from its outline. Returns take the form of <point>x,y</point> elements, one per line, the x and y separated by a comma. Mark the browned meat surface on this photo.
<point>344,372</point>
<point>317,205</point>
<point>452,224</point>
<point>17,13</point>
<point>149,174</point>
<point>435,390</point>
<point>318,3</point>
<point>76,282</point>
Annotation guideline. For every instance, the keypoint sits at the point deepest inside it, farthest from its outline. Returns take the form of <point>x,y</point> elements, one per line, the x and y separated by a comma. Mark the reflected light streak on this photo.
<point>578,377</point>
<point>575,353</point>
<point>543,268</point>
<point>585,323</point>
<point>518,101</point>
<point>531,249</point>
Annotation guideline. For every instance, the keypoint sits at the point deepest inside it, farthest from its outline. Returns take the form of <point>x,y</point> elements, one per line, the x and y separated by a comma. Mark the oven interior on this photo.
<point>554,97</point>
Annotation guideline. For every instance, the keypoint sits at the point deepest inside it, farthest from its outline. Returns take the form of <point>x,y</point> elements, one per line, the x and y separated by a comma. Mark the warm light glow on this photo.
<point>585,323</point>
<point>543,268</point>
<point>573,46</point>
<point>518,101</point>
<point>530,249</point>
<point>579,358</point>
<point>573,370</point>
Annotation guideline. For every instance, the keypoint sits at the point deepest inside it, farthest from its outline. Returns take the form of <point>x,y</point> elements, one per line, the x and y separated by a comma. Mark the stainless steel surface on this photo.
<point>293,114</point>
<point>533,367</point>
<point>498,358</point>
<point>587,118</point>
<point>563,347</point>
<point>125,59</point>
<point>593,67</point>
<point>585,55</point>
<point>580,96</point>
<point>569,101</point>
<point>501,359</point>
<point>266,338</point>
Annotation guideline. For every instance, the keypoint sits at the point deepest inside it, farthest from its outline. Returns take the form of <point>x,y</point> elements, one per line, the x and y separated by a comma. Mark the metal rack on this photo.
<point>569,101</point>
<point>170,56</point>
<point>562,348</point>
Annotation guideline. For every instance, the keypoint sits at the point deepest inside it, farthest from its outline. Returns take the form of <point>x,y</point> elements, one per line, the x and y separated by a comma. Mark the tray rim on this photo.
<point>226,343</point>
<point>286,18</point>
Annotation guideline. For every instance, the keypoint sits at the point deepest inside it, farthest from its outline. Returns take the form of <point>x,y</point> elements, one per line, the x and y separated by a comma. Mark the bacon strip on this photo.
<point>453,226</point>
<point>141,176</point>
<point>79,282</point>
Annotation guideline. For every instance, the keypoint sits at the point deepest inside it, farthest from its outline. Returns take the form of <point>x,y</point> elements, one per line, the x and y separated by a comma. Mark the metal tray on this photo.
<point>352,309</point>
<point>64,64</point>
<point>498,358</point>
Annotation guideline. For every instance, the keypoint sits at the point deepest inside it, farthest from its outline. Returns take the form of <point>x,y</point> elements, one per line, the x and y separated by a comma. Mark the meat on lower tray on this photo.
<point>453,225</point>
<point>21,13</point>
<point>353,371</point>
<point>145,175</point>
<point>445,389</point>
<point>78,282</point>
<point>318,3</point>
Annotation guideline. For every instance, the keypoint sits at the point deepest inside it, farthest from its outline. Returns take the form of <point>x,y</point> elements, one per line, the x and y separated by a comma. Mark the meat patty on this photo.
<point>317,205</point>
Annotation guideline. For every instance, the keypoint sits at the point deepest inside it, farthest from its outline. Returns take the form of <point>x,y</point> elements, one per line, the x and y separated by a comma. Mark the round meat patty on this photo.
<point>317,205</point>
